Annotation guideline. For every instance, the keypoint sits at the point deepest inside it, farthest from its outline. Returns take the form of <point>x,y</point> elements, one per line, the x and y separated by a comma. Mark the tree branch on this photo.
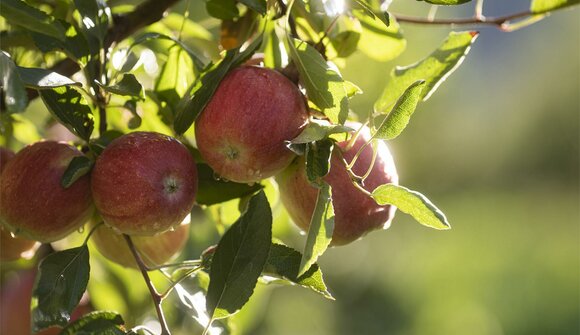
<point>499,21</point>
<point>124,26</point>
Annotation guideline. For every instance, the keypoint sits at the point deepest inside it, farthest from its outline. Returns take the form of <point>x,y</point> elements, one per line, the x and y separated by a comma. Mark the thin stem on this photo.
<point>358,153</point>
<point>370,169</point>
<point>478,14</point>
<point>326,32</point>
<point>178,281</point>
<point>432,12</point>
<point>184,264</point>
<point>352,141</point>
<point>154,294</point>
<point>92,231</point>
<point>356,180</point>
<point>499,21</point>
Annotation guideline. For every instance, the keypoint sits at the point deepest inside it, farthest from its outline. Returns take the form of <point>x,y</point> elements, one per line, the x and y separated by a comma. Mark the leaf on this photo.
<point>412,203</point>
<point>284,262</point>
<point>239,259</point>
<point>213,191</point>
<point>447,2</point>
<point>15,96</point>
<point>543,6</point>
<point>379,42</point>
<point>434,69</point>
<point>95,18</point>
<point>78,167</point>
<point>135,121</point>
<point>176,77</point>
<point>320,230</point>
<point>61,282</point>
<point>69,108</point>
<point>222,9</point>
<point>75,45</point>
<point>324,86</point>
<point>345,35</point>
<point>258,6</point>
<point>208,83</point>
<point>318,130</point>
<point>272,50</point>
<point>41,78</point>
<point>19,13</point>
<point>351,89</point>
<point>150,36</point>
<point>318,160</point>
<point>127,86</point>
<point>399,117</point>
<point>96,323</point>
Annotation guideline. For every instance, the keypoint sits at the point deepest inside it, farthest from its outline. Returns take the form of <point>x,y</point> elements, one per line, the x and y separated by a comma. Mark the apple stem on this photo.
<point>370,169</point>
<point>154,294</point>
<point>356,180</point>
<point>184,264</point>
<point>93,229</point>
<point>355,136</point>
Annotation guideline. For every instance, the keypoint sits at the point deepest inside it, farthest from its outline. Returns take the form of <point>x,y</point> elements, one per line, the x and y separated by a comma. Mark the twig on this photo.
<point>154,294</point>
<point>124,26</point>
<point>499,21</point>
<point>179,280</point>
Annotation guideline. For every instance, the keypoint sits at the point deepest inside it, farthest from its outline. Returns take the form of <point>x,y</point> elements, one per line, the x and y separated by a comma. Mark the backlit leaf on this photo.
<point>318,160</point>
<point>542,6</point>
<point>42,78</point>
<point>78,167</point>
<point>15,96</point>
<point>399,117</point>
<point>69,108</point>
<point>19,13</point>
<point>98,322</point>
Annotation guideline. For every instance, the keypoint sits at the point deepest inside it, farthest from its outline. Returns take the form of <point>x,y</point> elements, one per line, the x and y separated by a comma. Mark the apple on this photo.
<point>32,201</point>
<point>356,213</point>
<point>5,156</point>
<point>144,183</point>
<point>242,131</point>
<point>154,250</point>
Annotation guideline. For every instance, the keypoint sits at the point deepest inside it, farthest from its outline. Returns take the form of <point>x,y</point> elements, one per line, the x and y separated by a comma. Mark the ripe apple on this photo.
<point>356,214</point>
<point>154,250</point>
<point>5,156</point>
<point>144,183</point>
<point>32,201</point>
<point>241,133</point>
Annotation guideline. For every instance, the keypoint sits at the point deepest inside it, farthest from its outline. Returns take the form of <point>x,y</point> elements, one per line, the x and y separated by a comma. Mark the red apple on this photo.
<point>144,183</point>
<point>355,213</point>
<point>5,156</point>
<point>154,250</point>
<point>241,133</point>
<point>32,201</point>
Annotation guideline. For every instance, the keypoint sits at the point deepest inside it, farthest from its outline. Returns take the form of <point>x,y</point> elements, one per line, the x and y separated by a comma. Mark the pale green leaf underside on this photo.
<point>320,230</point>
<point>379,42</point>
<point>434,69</point>
<point>447,2</point>
<point>542,6</point>
<point>400,115</point>
<point>412,203</point>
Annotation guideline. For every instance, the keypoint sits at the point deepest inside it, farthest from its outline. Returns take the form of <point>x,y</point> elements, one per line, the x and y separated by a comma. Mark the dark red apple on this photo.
<point>32,201</point>
<point>144,183</point>
<point>5,156</point>
<point>154,250</point>
<point>356,214</point>
<point>241,133</point>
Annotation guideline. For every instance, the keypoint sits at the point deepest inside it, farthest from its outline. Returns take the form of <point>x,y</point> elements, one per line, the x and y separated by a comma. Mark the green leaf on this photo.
<point>318,130</point>
<point>239,259</point>
<point>95,18</point>
<point>15,96</point>
<point>208,82</point>
<point>96,323</point>
<point>127,86</point>
<point>399,117</point>
<point>543,6</point>
<point>135,121</point>
<point>351,89</point>
<point>318,160</point>
<point>412,203</point>
<point>369,11</point>
<point>434,69</point>
<point>61,282</point>
<point>284,262</point>
<point>345,35</point>
<point>258,6</point>
<point>320,230</point>
<point>214,191</point>
<point>74,45</point>
<point>197,62</point>
<point>379,42</point>
<point>447,2</point>
<point>69,108</point>
<point>324,85</point>
<point>19,13</point>
<point>176,77</point>
<point>78,167</point>
<point>41,78</point>
<point>222,9</point>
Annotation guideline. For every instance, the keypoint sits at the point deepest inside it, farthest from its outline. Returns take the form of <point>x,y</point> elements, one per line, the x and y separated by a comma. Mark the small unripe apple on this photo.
<point>356,213</point>
<point>32,201</point>
<point>144,183</point>
<point>241,133</point>
<point>154,250</point>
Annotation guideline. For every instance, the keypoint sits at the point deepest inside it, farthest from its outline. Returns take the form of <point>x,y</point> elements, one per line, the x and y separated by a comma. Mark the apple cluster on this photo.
<point>143,184</point>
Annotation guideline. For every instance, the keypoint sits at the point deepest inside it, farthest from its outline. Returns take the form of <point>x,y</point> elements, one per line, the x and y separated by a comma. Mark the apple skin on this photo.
<point>32,201</point>
<point>5,156</point>
<point>154,250</point>
<point>144,183</point>
<point>241,133</point>
<point>356,214</point>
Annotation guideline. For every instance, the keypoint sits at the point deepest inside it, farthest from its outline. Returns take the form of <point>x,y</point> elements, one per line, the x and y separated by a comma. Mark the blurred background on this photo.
<point>496,148</point>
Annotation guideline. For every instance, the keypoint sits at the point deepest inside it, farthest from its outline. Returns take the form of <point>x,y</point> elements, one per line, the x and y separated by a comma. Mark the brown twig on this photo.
<point>157,298</point>
<point>145,14</point>
<point>498,21</point>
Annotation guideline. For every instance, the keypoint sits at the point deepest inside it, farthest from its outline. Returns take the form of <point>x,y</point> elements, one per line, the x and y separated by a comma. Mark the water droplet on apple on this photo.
<point>12,234</point>
<point>172,228</point>
<point>216,176</point>
<point>81,229</point>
